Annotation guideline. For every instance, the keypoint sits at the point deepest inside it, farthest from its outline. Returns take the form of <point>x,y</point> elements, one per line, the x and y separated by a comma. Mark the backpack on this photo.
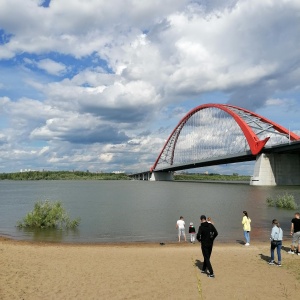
<point>211,232</point>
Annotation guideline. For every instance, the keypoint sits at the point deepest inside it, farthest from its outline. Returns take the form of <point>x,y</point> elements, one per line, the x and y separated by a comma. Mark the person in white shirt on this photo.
<point>180,225</point>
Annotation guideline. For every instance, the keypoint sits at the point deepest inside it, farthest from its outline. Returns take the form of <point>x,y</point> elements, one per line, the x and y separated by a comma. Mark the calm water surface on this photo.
<point>121,211</point>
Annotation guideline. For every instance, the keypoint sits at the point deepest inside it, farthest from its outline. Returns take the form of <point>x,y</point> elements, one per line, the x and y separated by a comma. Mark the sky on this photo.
<point>100,85</point>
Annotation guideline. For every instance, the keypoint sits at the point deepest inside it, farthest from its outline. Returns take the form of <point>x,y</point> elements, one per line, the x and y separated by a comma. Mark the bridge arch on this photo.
<point>252,125</point>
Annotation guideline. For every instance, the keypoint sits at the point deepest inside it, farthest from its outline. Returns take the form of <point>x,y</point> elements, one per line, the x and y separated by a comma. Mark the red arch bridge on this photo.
<point>214,134</point>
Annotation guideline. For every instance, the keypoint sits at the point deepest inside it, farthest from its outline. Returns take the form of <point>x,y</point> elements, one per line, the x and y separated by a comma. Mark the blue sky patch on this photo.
<point>45,3</point>
<point>4,37</point>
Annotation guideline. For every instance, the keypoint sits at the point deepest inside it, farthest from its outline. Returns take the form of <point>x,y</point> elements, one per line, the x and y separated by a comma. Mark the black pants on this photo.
<point>206,251</point>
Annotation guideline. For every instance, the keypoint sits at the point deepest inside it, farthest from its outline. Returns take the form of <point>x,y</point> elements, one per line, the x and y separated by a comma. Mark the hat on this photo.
<point>202,217</point>
<point>191,223</point>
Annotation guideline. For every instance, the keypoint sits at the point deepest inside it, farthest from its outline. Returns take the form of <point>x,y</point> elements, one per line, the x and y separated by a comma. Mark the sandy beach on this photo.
<point>144,271</point>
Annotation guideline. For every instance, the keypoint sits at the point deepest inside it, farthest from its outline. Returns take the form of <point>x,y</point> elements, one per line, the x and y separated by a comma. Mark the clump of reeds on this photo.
<point>285,200</point>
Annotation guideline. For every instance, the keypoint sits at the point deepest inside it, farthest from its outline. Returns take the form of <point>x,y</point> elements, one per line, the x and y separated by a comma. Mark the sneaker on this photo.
<point>203,272</point>
<point>298,253</point>
<point>279,265</point>
<point>211,276</point>
<point>271,262</point>
<point>291,252</point>
<point>247,244</point>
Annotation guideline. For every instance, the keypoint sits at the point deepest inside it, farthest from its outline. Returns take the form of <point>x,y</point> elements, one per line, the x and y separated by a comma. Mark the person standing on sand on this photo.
<point>295,233</point>
<point>276,242</point>
<point>180,225</point>
<point>206,236</point>
<point>192,232</point>
<point>246,227</point>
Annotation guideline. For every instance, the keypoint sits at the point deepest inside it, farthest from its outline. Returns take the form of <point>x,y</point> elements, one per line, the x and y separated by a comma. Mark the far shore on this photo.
<point>35,270</point>
<point>80,175</point>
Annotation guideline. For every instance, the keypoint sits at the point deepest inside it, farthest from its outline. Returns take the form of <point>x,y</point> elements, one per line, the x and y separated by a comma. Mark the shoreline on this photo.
<point>32,270</point>
<point>174,242</point>
<point>133,243</point>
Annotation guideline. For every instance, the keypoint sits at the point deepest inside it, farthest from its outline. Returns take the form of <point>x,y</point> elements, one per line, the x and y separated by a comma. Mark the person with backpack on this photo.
<point>206,236</point>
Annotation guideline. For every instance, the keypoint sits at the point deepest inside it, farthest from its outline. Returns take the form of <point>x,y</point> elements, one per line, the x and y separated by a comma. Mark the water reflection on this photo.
<point>50,234</point>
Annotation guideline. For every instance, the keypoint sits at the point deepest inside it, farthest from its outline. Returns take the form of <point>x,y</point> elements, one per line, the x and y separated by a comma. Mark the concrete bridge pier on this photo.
<point>276,169</point>
<point>145,176</point>
<point>141,176</point>
<point>162,176</point>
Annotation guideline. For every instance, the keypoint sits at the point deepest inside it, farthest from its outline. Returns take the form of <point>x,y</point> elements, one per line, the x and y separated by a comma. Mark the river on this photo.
<point>142,211</point>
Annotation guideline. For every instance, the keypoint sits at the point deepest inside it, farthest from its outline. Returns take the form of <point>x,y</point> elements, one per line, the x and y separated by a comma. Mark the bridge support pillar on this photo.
<point>276,169</point>
<point>162,176</point>
<point>146,176</point>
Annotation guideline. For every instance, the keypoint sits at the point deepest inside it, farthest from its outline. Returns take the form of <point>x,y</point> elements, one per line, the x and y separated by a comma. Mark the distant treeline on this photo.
<point>210,177</point>
<point>80,175</point>
<point>61,175</point>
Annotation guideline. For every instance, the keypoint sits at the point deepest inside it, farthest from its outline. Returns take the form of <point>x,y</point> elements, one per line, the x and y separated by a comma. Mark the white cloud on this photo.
<point>126,67</point>
<point>275,102</point>
<point>52,67</point>
<point>106,157</point>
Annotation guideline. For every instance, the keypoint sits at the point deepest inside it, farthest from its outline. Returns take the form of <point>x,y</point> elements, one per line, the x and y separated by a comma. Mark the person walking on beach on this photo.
<point>180,225</point>
<point>276,242</point>
<point>295,233</point>
<point>246,227</point>
<point>192,232</point>
<point>206,236</point>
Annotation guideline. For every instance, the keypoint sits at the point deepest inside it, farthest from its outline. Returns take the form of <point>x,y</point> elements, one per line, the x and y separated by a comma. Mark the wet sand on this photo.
<point>144,271</point>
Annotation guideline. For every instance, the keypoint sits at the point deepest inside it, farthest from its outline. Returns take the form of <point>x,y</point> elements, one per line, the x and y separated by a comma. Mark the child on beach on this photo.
<point>192,232</point>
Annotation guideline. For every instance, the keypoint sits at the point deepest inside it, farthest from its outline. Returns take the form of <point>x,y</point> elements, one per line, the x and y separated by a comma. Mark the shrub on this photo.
<point>286,201</point>
<point>48,215</point>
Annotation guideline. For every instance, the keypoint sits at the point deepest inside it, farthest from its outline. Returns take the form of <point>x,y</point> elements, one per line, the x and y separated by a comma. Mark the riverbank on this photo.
<point>143,271</point>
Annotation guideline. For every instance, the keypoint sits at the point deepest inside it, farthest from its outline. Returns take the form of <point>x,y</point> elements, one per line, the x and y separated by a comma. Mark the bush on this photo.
<point>286,201</point>
<point>48,215</point>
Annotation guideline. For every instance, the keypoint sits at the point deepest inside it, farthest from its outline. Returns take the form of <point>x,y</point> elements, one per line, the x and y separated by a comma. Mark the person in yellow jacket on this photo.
<point>246,221</point>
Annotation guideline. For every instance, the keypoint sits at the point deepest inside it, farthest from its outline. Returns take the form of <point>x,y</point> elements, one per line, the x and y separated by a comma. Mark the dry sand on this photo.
<point>144,271</point>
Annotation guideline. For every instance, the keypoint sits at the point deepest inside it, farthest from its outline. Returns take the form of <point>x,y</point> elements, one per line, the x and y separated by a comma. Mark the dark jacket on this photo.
<point>192,229</point>
<point>207,233</point>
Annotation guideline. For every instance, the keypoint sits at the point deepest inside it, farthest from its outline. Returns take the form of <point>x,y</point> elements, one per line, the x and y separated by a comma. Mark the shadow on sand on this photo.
<point>264,257</point>
<point>240,242</point>
<point>198,264</point>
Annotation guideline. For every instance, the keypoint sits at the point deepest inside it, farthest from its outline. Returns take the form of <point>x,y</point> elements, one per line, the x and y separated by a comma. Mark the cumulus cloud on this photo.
<point>120,73</point>
<point>82,129</point>
<point>51,66</point>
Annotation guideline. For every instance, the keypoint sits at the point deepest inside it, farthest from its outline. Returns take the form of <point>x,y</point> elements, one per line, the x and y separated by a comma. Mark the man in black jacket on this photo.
<point>206,236</point>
